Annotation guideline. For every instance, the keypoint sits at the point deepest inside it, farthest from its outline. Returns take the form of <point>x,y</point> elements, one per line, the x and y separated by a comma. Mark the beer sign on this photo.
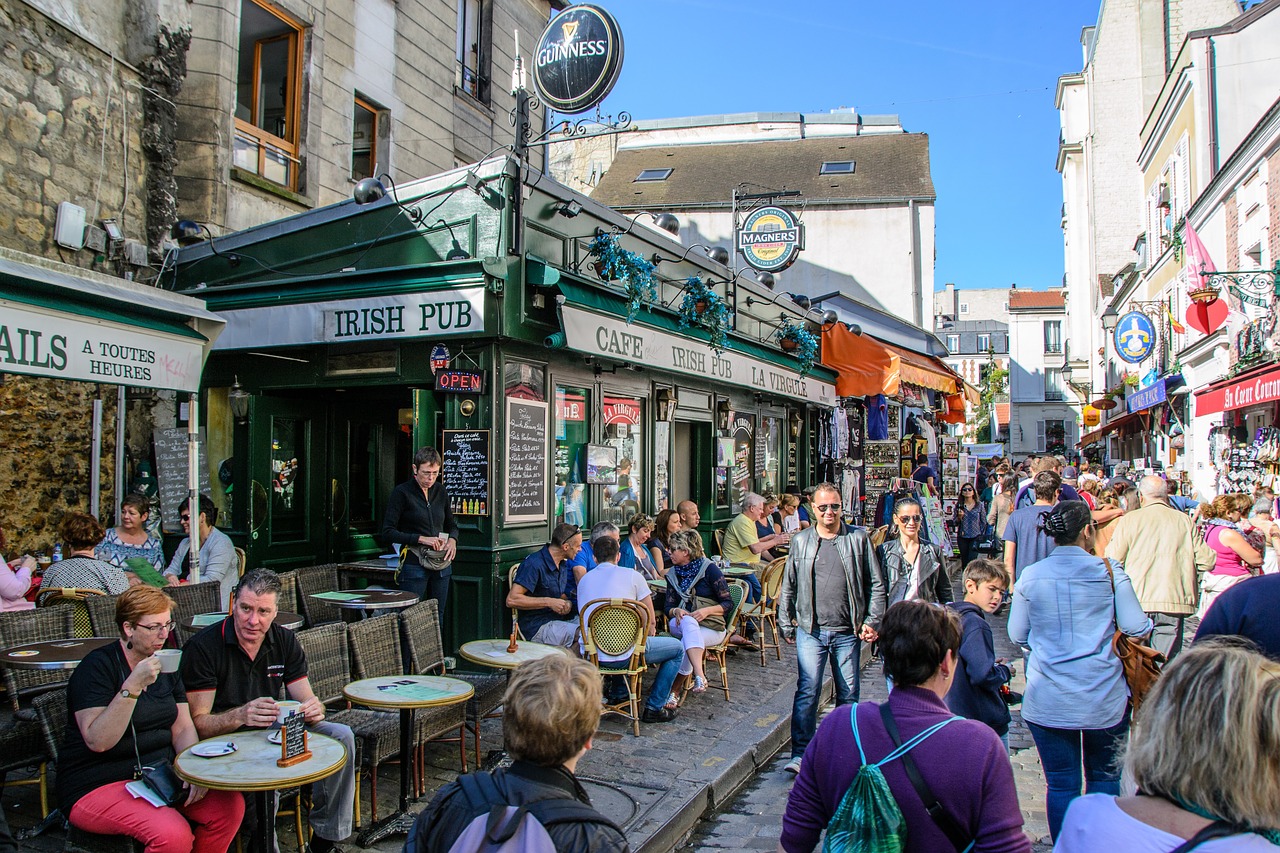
<point>770,239</point>
<point>578,59</point>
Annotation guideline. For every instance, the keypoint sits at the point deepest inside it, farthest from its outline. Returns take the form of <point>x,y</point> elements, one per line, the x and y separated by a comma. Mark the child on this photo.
<point>975,693</point>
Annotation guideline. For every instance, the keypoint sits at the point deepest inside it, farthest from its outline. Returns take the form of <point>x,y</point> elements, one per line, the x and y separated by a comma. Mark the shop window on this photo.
<point>268,94</point>
<point>573,434</point>
<point>367,126</point>
<point>288,474</point>
<point>661,466</point>
<point>623,430</point>
<point>1053,336</point>
<point>769,456</point>
<point>472,55</point>
<point>742,432</point>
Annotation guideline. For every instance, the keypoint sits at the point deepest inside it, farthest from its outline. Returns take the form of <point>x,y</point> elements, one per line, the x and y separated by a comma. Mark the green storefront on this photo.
<point>455,318</point>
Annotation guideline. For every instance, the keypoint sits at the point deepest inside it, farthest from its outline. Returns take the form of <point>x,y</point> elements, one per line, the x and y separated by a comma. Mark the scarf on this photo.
<point>1270,834</point>
<point>685,576</point>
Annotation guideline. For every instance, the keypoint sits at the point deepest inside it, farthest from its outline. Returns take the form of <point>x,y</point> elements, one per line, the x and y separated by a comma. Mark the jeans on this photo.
<point>1166,638</point>
<point>967,550</point>
<point>426,584</point>
<point>812,652</point>
<point>1061,751</point>
<point>667,652</point>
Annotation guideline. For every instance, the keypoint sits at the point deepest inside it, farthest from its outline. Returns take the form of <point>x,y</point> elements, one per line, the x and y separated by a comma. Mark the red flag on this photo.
<point>1198,259</point>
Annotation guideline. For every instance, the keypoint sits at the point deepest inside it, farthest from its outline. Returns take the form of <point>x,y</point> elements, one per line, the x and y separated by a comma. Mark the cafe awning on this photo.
<point>1132,419</point>
<point>64,322</point>
<point>924,370</point>
<point>865,366</point>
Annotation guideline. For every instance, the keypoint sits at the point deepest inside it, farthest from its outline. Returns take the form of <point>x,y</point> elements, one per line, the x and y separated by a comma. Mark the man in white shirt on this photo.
<point>609,580</point>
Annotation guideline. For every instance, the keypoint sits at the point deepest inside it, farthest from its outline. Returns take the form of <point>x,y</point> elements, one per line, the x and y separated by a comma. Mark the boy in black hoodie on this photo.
<point>975,693</point>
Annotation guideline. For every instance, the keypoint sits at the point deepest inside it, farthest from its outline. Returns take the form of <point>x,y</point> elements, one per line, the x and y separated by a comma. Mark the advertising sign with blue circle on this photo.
<point>1135,337</point>
<point>771,238</point>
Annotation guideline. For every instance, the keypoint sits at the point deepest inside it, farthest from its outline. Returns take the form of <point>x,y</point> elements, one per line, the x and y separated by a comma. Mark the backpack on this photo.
<point>868,819</point>
<point>499,827</point>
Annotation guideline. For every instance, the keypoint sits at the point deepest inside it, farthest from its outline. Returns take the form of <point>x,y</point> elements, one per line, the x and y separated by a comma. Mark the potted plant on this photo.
<point>799,341</point>
<point>702,306</point>
<point>637,273</point>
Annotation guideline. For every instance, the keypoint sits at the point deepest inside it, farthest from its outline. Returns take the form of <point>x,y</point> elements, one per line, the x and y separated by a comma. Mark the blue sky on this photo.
<point>978,78</point>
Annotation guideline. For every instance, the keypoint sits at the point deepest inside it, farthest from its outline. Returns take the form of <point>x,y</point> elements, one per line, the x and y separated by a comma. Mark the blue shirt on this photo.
<point>542,578</point>
<point>1065,612</point>
<point>1031,544</point>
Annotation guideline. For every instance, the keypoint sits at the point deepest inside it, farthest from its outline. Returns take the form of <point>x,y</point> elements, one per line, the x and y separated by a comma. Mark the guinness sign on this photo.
<point>770,239</point>
<point>578,59</point>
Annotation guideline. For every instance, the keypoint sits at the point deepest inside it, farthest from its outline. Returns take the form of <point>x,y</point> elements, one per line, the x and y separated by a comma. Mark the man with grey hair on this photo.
<point>586,561</point>
<point>236,670</point>
<point>1162,552</point>
<point>744,546</point>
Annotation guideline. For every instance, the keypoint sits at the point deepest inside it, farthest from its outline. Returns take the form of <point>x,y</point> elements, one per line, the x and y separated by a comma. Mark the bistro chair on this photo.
<point>717,542</point>
<point>74,596</point>
<point>102,615</point>
<point>515,612</point>
<point>288,598</point>
<point>765,611</point>
<point>616,626</point>
<point>313,580</point>
<point>420,626</point>
<point>21,745</point>
<point>20,627</point>
<point>719,653</point>
<point>192,599</point>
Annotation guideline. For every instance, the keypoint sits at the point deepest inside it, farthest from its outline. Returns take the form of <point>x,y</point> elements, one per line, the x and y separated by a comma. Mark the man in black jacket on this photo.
<point>832,598</point>
<point>549,715</point>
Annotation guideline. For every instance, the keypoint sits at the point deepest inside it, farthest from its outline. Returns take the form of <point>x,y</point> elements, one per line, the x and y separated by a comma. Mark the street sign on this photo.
<point>770,238</point>
<point>1135,337</point>
<point>578,59</point>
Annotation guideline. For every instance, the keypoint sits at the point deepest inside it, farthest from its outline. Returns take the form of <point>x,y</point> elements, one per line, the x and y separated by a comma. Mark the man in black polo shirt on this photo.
<point>235,670</point>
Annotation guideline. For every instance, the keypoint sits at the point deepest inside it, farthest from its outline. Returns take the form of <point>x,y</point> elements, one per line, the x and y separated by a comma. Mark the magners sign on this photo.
<point>578,59</point>
<point>770,238</point>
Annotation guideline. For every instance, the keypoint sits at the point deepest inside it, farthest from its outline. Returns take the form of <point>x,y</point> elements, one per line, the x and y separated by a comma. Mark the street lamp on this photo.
<point>1109,319</point>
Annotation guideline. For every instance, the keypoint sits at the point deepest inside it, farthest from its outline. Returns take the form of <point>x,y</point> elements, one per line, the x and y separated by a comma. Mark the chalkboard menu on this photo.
<point>526,459</point>
<point>172,476</point>
<point>293,746</point>
<point>466,470</point>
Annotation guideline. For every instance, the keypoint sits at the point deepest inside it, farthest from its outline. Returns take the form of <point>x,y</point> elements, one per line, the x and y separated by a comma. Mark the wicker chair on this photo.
<point>192,599</point>
<point>420,626</point>
<point>102,615</point>
<point>719,653</point>
<point>74,596</point>
<point>26,626</point>
<point>311,581</point>
<point>288,599</point>
<point>616,626</point>
<point>21,746</point>
<point>765,611</point>
<point>515,613</point>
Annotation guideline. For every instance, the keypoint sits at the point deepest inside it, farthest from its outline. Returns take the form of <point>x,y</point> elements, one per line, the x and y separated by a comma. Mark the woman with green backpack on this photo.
<point>925,781</point>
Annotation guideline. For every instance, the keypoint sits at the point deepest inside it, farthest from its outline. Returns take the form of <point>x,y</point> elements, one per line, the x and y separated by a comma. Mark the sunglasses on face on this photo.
<point>828,507</point>
<point>908,519</point>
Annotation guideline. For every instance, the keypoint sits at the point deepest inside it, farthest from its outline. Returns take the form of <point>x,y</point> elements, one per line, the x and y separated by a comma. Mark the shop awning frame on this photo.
<point>1111,426</point>
<point>1255,387</point>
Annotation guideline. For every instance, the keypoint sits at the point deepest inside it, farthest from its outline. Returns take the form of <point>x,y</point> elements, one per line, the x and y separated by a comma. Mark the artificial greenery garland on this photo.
<point>714,315</point>
<point>806,344</point>
<point>636,272</point>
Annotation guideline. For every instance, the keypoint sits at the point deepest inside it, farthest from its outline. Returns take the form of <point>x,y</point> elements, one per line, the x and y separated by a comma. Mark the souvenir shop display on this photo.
<point>1243,466</point>
<point>880,469</point>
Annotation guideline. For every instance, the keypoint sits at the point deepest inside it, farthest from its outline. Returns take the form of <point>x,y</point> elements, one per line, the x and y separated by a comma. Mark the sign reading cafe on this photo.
<point>770,238</point>
<point>578,59</point>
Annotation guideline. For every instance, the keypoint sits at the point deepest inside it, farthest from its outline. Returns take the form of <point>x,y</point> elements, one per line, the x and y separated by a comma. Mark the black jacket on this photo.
<point>410,515</point>
<point>935,583</point>
<point>449,813</point>
<point>975,692</point>
<point>862,573</point>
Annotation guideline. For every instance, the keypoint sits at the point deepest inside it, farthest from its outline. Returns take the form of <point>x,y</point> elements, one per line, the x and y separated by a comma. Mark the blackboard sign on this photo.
<point>172,476</point>
<point>526,458</point>
<point>293,740</point>
<point>466,470</point>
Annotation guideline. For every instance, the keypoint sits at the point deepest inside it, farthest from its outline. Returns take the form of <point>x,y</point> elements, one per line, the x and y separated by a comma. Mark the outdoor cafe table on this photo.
<point>285,619</point>
<point>252,769</point>
<point>494,652</point>
<point>52,654</point>
<point>406,693</point>
<point>365,601</point>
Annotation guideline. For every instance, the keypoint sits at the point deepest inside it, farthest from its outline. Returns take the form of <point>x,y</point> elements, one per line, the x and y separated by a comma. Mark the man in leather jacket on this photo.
<point>549,715</point>
<point>832,598</point>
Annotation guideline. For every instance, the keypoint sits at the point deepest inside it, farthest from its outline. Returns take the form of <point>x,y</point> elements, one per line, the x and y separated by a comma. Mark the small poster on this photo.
<point>602,465</point>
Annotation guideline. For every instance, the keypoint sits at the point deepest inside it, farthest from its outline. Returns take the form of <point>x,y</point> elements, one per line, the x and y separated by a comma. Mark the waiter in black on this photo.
<point>420,523</point>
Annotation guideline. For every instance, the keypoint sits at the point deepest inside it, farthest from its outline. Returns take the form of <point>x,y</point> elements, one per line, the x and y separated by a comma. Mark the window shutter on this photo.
<point>1040,443</point>
<point>1182,201</point>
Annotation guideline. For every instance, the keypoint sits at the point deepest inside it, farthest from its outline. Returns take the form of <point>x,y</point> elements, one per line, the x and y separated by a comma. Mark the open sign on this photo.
<point>460,381</point>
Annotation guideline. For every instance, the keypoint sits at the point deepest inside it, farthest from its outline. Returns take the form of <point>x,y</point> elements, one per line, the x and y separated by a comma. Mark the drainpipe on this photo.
<point>917,305</point>
<point>1213,109</point>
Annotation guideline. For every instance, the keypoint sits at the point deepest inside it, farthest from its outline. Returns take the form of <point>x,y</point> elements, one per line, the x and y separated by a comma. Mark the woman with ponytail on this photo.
<point>1066,608</point>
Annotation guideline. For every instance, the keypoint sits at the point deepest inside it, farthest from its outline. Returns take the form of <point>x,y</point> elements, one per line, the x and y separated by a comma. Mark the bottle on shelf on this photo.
<point>57,553</point>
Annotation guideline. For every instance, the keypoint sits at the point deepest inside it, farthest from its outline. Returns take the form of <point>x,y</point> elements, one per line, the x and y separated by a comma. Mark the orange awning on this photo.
<point>924,370</point>
<point>954,413</point>
<point>865,366</point>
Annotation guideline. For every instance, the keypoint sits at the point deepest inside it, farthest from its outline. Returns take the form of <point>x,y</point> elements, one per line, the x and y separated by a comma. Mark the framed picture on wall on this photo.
<point>724,452</point>
<point>602,465</point>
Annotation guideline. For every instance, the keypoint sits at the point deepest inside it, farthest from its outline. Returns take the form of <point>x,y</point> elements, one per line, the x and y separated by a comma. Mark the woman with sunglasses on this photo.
<point>913,570</point>
<point>126,713</point>
<point>971,522</point>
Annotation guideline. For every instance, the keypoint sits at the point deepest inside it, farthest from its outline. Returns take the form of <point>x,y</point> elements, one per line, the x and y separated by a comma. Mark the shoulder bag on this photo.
<point>1141,663</point>
<point>692,601</point>
<point>160,778</point>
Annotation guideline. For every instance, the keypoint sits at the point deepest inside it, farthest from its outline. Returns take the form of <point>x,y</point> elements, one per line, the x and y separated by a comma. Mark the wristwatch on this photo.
<point>126,694</point>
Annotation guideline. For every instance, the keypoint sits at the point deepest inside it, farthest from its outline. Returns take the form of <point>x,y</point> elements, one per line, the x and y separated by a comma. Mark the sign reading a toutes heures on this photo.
<point>770,238</point>
<point>578,59</point>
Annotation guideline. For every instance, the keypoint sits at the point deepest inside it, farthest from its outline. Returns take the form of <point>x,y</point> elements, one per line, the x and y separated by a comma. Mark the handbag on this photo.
<point>1141,663</point>
<point>429,558</point>
<point>715,621</point>
<point>159,778</point>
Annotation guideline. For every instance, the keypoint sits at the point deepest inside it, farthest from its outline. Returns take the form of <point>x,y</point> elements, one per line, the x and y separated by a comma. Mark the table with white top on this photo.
<point>494,652</point>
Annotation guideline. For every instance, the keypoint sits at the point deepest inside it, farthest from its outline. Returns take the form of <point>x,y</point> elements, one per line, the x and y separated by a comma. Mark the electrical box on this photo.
<point>68,229</point>
<point>135,253</point>
<point>95,239</point>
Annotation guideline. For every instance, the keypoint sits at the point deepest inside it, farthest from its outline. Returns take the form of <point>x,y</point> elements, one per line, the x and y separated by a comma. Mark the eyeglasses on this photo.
<point>909,519</point>
<point>828,507</point>
<point>167,627</point>
<point>185,517</point>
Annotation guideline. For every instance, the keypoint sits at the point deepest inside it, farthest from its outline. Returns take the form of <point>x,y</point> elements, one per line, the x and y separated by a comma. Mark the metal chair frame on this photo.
<point>616,626</point>
<point>765,611</point>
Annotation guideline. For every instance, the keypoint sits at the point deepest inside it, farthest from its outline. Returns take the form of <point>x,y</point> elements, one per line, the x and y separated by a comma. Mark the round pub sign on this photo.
<point>770,239</point>
<point>578,59</point>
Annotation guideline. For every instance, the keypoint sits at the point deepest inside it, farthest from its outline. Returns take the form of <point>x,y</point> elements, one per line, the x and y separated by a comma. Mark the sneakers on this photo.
<point>793,766</point>
<point>660,715</point>
<point>699,684</point>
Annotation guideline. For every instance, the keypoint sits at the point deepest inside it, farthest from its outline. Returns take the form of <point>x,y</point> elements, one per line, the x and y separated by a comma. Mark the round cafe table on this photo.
<point>367,600</point>
<point>285,619</point>
<point>252,769</point>
<point>405,693</point>
<point>52,654</point>
<point>494,652</point>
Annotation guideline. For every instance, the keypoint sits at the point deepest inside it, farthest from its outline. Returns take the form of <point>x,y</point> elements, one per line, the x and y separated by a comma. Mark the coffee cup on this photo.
<point>285,707</point>
<point>169,659</point>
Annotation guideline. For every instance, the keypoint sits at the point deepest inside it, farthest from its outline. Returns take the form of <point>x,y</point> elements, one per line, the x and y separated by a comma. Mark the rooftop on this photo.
<point>1031,300</point>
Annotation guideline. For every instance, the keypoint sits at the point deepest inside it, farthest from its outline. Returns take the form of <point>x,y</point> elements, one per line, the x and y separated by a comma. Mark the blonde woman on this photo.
<point>1216,791</point>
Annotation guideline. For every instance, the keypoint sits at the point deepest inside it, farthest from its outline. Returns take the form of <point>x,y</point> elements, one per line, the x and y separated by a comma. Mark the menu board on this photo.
<point>172,476</point>
<point>466,470</point>
<point>526,457</point>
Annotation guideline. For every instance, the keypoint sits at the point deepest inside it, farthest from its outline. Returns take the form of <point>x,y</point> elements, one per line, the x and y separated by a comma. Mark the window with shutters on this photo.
<point>1054,438</point>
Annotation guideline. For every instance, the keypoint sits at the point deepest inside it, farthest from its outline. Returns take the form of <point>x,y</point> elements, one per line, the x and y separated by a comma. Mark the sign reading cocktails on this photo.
<point>578,59</point>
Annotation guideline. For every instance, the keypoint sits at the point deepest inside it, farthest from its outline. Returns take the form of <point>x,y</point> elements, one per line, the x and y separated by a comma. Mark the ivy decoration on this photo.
<point>637,273</point>
<point>803,343</point>
<point>703,307</point>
